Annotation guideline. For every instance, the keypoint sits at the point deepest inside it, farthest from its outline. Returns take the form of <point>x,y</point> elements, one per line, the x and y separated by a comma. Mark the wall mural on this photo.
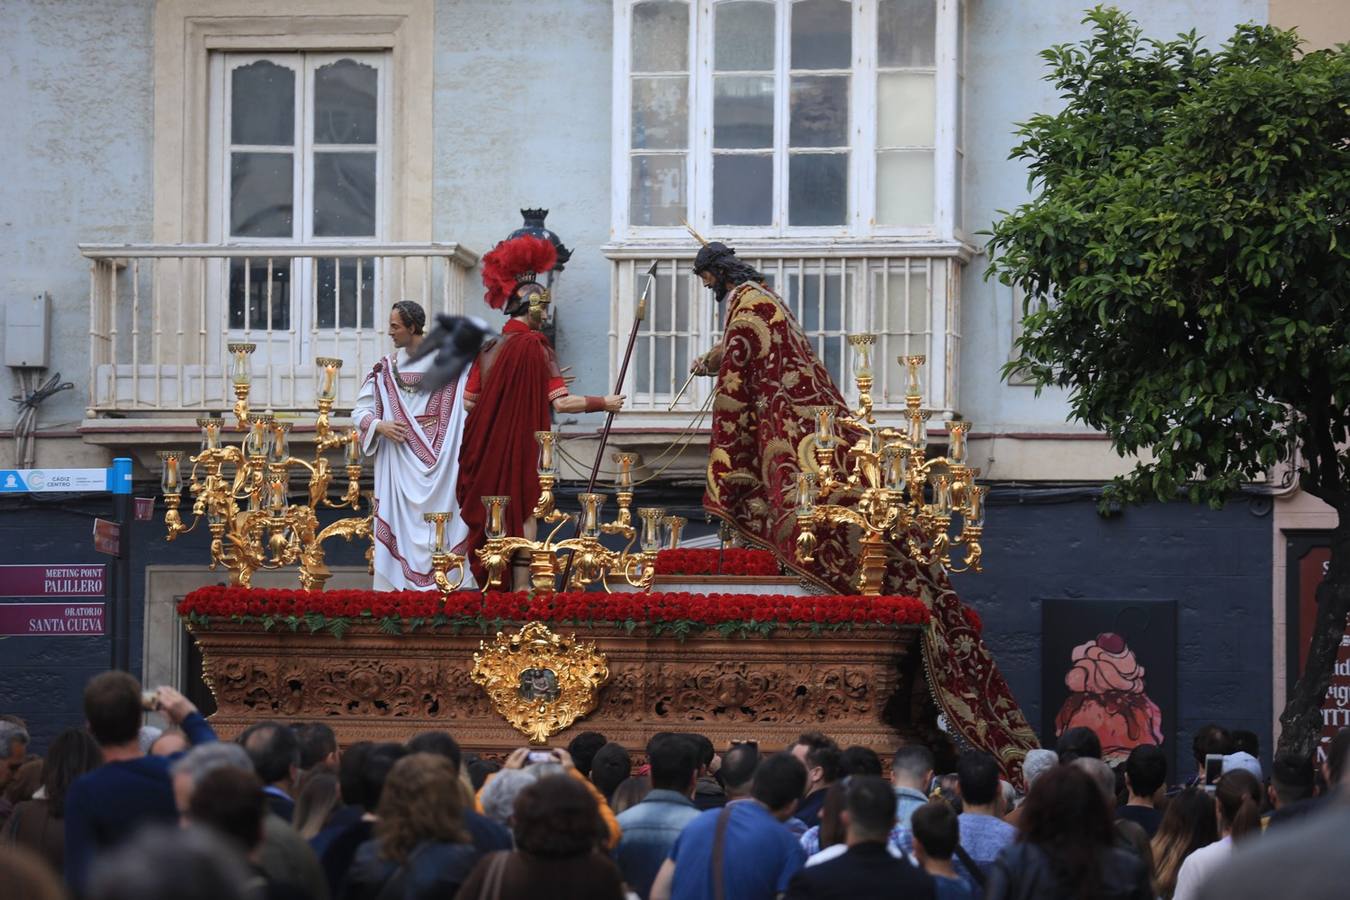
<point>1110,665</point>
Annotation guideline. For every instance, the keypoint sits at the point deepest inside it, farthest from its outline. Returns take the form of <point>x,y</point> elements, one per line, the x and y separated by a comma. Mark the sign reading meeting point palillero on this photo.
<point>38,583</point>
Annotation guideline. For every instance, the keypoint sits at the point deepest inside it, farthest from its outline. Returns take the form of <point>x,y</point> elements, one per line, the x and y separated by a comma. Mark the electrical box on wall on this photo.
<point>27,323</point>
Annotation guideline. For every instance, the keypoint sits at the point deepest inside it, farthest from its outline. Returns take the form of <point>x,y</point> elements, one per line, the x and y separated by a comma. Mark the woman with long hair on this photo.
<point>1188,825</point>
<point>1066,847</point>
<point>560,836</point>
<point>318,798</point>
<point>421,849</point>
<point>1237,804</point>
<point>39,824</point>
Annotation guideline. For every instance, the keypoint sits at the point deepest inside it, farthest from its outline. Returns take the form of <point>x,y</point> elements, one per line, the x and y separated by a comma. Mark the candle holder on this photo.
<point>241,375</point>
<point>899,501</point>
<point>548,476</point>
<point>242,490</point>
<point>442,559</point>
<point>326,369</point>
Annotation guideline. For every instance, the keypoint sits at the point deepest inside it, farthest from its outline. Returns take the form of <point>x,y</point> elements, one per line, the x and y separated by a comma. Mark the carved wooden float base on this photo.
<point>861,687</point>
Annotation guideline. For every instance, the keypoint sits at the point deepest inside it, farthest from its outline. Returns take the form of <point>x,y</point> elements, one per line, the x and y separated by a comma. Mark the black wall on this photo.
<point>1215,565</point>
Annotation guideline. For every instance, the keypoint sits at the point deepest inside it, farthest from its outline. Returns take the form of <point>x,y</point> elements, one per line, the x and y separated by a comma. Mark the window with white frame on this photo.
<point>300,157</point>
<point>788,117</point>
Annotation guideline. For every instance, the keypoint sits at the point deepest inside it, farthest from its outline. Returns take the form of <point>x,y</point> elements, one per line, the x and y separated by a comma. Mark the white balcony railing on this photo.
<point>160,317</point>
<point>908,296</point>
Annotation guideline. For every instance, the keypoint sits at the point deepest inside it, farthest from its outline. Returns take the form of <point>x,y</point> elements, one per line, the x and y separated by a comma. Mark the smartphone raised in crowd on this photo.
<point>1213,770</point>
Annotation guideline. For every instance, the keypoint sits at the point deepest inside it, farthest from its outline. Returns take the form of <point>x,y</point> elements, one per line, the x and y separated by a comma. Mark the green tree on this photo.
<point>1184,264</point>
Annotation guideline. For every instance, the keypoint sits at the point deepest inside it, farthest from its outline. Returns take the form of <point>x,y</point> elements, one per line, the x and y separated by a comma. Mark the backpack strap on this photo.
<point>971,866</point>
<point>719,853</point>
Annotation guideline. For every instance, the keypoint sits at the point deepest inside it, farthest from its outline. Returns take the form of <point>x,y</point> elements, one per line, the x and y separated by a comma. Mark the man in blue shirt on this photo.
<point>651,827</point>
<point>107,805</point>
<point>911,775</point>
<point>275,751</point>
<point>744,846</point>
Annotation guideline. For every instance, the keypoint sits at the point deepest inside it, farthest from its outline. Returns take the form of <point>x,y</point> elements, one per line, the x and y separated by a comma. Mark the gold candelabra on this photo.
<point>243,490</point>
<point>900,500</point>
<point>592,561</point>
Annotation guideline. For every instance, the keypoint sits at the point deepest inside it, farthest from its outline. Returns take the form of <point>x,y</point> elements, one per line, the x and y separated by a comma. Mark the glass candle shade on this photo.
<point>591,506</point>
<point>974,511</point>
<point>548,458</point>
<point>651,517</point>
<point>276,490</point>
<point>942,494</point>
<point>918,428</point>
<point>210,427</point>
<point>259,434</point>
<point>824,416</point>
<point>625,461</point>
<point>280,448</point>
<point>806,493</point>
<point>353,448</point>
<point>496,516</point>
<point>956,442</point>
<point>913,384</point>
<point>862,354</point>
<point>326,377</point>
<point>170,479</point>
<point>895,467</point>
<point>241,363</point>
<point>674,526</point>
<point>437,522</point>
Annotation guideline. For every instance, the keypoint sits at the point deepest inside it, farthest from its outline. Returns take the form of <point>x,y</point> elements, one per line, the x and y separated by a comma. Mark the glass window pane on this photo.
<point>660,113</point>
<point>906,33</point>
<point>905,188</point>
<point>344,195</point>
<point>257,306</point>
<point>346,96</point>
<point>822,34</point>
<point>817,188</point>
<point>742,190</point>
<point>262,104</point>
<point>261,194</point>
<point>743,111</point>
<point>343,296</point>
<point>660,37</point>
<point>906,109</point>
<point>656,190</point>
<point>743,40</point>
<point>819,111</point>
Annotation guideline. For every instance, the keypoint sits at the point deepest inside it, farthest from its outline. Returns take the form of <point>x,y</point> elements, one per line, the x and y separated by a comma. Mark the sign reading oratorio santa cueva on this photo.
<point>28,609</point>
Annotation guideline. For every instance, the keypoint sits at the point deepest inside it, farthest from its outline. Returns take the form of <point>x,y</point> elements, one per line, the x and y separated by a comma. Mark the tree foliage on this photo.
<point>1184,259</point>
<point>1184,264</point>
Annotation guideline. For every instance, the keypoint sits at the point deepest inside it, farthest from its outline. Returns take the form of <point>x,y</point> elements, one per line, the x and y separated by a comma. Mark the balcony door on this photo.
<point>299,153</point>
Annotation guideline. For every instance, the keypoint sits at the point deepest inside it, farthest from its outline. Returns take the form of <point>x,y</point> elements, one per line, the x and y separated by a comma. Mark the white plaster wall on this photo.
<point>75,152</point>
<point>1004,86</point>
<point>523,120</point>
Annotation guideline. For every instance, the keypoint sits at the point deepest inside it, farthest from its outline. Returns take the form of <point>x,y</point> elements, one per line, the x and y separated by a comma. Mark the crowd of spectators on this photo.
<point>116,810</point>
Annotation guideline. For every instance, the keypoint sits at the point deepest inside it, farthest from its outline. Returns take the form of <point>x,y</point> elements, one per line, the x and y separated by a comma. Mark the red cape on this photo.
<point>499,454</point>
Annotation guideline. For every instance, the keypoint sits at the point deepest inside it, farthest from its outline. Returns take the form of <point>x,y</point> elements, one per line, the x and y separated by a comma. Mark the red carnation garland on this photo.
<point>676,612</point>
<point>735,561</point>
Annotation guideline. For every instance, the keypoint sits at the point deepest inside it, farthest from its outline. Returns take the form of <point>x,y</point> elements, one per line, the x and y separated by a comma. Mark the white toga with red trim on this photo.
<point>415,477</point>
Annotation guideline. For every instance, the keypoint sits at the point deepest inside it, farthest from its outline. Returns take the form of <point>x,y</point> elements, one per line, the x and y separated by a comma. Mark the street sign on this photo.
<point>51,619</point>
<point>107,537</point>
<point>145,509</point>
<point>32,481</point>
<point>53,580</point>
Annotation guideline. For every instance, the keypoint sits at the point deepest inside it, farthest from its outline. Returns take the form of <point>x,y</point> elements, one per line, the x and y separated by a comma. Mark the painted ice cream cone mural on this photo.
<point>1106,694</point>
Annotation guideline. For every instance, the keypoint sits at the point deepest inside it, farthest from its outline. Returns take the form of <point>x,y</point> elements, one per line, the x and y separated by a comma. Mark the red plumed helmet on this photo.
<point>512,263</point>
